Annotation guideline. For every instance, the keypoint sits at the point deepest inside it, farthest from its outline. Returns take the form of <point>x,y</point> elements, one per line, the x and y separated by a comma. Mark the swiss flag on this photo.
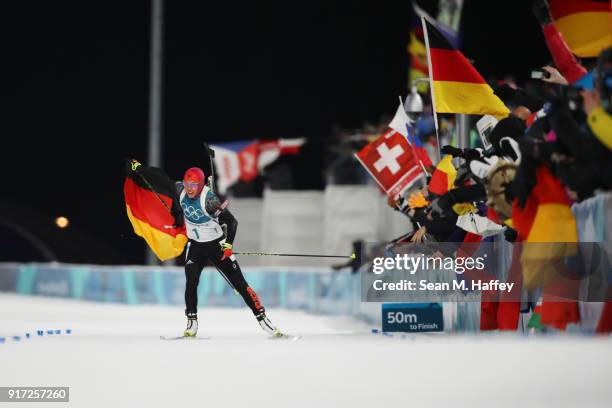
<point>391,161</point>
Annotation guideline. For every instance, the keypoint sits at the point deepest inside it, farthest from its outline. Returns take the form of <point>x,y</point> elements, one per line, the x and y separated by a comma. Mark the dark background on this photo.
<point>78,88</point>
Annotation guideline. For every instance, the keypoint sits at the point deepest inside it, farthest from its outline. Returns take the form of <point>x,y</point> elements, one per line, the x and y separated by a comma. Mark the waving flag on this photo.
<point>548,220</point>
<point>450,33</point>
<point>443,177</point>
<point>235,161</point>
<point>456,85</point>
<point>270,150</point>
<point>585,25</point>
<point>149,198</point>
<point>243,160</point>
<point>391,162</point>
<point>401,124</point>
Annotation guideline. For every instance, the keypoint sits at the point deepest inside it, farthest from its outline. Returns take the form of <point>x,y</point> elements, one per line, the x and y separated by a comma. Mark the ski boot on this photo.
<point>192,325</point>
<point>267,325</point>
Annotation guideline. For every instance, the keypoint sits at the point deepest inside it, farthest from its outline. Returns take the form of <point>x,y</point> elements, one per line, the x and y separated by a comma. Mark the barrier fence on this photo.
<point>314,290</point>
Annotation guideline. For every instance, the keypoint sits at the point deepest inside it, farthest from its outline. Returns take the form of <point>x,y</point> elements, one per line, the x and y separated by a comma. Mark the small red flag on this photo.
<point>391,162</point>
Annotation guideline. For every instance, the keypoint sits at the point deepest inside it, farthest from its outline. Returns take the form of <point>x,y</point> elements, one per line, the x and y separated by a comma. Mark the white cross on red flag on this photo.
<point>391,162</point>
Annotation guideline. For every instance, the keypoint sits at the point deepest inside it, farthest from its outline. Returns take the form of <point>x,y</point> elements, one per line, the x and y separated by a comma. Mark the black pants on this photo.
<point>200,254</point>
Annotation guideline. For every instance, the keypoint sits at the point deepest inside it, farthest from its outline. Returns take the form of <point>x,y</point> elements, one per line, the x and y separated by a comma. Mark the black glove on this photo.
<point>541,12</point>
<point>442,205</point>
<point>463,174</point>
<point>453,151</point>
<point>471,154</point>
<point>510,234</point>
<point>467,154</point>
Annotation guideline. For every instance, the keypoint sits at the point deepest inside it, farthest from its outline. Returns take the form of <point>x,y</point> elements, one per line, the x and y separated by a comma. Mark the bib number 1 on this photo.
<point>195,230</point>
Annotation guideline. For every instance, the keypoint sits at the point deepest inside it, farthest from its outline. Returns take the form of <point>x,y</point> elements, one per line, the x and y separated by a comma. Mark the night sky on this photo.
<point>78,88</point>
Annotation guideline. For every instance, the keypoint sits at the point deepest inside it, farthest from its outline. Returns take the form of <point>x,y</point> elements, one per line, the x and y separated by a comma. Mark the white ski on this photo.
<point>183,338</point>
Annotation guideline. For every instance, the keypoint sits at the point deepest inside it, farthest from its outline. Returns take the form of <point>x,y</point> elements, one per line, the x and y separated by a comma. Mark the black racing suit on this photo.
<point>199,254</point>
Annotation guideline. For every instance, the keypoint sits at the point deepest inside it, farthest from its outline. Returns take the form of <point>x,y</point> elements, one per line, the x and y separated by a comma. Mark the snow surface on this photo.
<point>114,358</point>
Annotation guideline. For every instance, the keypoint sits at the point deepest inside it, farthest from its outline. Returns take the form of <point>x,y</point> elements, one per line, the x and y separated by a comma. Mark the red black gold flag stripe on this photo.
<point>149,217</point>
<point>547,219</point>
<point>456,85</point>
<point>585,25</point>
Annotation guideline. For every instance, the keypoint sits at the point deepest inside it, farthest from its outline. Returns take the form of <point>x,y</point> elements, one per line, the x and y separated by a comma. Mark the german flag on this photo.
<point>584,24</point>
<point>547,221</point>
<point>457,86</point>
<point>150,200</point>
<point>443,178</point>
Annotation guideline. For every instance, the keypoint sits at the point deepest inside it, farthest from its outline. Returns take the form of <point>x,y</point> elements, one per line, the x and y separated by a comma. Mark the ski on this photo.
<point>183,338</point>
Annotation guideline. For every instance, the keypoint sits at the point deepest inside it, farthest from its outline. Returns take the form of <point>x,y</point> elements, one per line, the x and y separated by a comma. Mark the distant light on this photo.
<point>61,222</point>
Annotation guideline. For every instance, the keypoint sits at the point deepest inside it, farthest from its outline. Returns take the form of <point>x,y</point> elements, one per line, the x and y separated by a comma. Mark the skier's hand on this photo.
<point>227,250</point>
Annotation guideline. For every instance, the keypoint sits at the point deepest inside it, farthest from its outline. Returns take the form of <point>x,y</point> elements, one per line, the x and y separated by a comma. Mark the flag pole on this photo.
<point>431,85</point>
<point>155,92</point>
<point>211,156</point>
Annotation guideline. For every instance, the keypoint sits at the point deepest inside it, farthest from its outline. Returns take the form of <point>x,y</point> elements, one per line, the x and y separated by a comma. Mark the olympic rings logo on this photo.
<point>192,212</point>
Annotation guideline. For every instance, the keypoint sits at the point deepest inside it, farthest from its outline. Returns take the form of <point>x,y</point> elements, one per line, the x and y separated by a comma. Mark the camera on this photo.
<point>539,74</point>
<point>485,126</point>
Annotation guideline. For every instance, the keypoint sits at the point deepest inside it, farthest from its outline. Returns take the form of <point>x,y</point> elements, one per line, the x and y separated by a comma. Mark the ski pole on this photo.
<point>211,156</point>
<point>352,256</point>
